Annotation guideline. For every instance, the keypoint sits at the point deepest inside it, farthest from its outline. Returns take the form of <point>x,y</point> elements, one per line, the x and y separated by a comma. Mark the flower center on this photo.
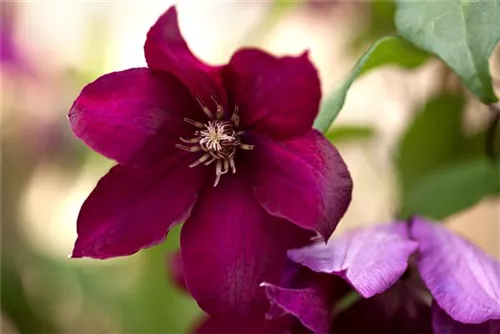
<point>218,138</point>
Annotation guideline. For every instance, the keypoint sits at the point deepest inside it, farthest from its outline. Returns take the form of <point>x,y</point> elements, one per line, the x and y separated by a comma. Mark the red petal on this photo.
<point>278,97</point>
<point>132,209</point>
<point>166,50</point>
<point>134,117</point>
<point>230,245</point>
<point>250,325</point>
<point>303,180</point>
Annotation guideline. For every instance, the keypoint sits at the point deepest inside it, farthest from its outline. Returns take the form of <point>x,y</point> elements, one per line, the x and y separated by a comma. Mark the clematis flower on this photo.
<point>453,287</point>
<point>229,150</point>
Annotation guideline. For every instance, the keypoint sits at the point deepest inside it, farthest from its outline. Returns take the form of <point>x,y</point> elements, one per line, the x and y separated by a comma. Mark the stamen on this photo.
<point>205,108</point>
<point>202,159</point>
<point>231,162</point>
<point>246,147</point>
<point>218,138</point>
<point>197,124</point>
<point>235,118</point>
<point>218,173</point>
<point>190,141</point>
<point>210,161</point>
<point>188,148</point>
<point>226,167</point>
<point>220,110</point>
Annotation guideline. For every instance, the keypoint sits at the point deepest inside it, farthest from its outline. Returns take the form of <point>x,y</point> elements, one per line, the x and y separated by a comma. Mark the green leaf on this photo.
<point>386,51</point>
<point>453,189</point>
<point>461,33</point>
<point>433,140</point>
<point>344,133</point>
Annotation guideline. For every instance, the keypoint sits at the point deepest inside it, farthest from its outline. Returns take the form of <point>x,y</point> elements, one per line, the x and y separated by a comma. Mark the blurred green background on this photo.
<point>397,128</point>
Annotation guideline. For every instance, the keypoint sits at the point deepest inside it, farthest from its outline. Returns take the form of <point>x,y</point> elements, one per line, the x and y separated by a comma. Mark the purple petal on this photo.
<point>463,280</point>
<point>444,324</point>
<point>230,245</point>
<point>134,117</point>
<point>370,259</point>
<point>176,271</point>
<point>132,209</point>
<point>397,310</point>
<point>311,304</point>
<point>166,50</point>
<point>278,97</point>
<point>303,180</point>
<point>251,325</point>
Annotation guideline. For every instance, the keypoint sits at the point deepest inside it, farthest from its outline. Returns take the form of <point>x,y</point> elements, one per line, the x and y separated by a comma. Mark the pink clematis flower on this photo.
<point>229,150</point>
<point>414,277</point>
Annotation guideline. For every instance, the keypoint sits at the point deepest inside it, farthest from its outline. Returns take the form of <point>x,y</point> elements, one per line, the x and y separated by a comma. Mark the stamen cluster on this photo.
<point>219,139</point>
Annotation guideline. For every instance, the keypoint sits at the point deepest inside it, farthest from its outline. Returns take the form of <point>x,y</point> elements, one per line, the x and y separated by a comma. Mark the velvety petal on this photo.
<point>463,280</point>
<point>310,304</point>
<point>166,50</point>
<point>395,311</point>
<point>176,271</point>
<point>306,295</point>
<point>251,325</point>
<point>276,96</point>
<point>230,245</point>
<point>132,208</point>
<point>371,259</point>
<point>134,117</point>
<point>303,180</point>
<point>444,324</point>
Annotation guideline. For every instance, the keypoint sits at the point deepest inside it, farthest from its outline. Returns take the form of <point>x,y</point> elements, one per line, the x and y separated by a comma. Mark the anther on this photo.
<point>205,108</point>
<point>217,178</point>
<point>235,118</point>
<point>220,110</point>
<point>226,167</point>
<point>246,147</point>
<point>202,159</point>
<point>210,161</point>
<point>195,123</point>
<point>188,148</point>
<point>190,141</point>
<point>231,162</point>
<point>218,172</point>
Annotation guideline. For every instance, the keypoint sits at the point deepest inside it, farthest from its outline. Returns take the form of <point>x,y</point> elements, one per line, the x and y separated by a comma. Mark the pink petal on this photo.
<point>311,303</point>
<point>134,117</point>
<point>278,97</point>
<point>464,281</point>
<point>250,325</point>
<point>230,245</point>
<point>303,180</point>
<point>132,209</point>
<point>444,324</point>
<point>370,259</point>
<point>166,50</point>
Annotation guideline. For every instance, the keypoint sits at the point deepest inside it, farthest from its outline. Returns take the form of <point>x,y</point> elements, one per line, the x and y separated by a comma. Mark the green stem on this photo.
<point>492,151</point>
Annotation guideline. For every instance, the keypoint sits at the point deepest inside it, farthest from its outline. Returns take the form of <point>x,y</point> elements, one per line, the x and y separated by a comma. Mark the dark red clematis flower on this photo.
<point>228,149</point>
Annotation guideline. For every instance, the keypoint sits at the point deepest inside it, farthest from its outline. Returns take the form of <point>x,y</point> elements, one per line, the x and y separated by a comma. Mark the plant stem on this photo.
<point>492,151</point>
